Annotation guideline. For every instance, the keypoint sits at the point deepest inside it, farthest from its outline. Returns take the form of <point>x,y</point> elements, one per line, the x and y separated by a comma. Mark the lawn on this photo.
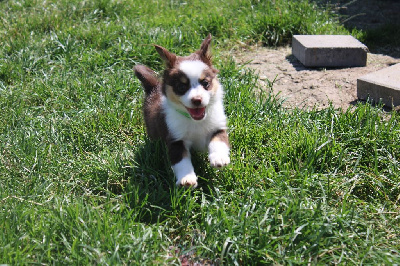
<point>80,182</point>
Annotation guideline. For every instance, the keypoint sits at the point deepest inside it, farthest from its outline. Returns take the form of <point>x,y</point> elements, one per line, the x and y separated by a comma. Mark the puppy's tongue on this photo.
<point>197,113</point>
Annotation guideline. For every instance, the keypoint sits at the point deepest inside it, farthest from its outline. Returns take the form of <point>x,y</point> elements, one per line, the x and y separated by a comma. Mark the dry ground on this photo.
<point>308,87</point>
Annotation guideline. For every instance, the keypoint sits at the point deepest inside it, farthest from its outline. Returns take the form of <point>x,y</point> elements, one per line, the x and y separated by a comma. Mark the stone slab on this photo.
<point>329,51</point>
<point>382,85</point>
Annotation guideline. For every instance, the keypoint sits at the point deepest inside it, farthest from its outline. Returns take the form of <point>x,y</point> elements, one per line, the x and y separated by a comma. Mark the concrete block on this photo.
<point>329,51</point>
<point>382,85</point>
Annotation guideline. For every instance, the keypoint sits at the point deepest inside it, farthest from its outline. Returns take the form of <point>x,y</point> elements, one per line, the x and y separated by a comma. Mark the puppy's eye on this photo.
<point>181,88</point>
<point>205,83</point>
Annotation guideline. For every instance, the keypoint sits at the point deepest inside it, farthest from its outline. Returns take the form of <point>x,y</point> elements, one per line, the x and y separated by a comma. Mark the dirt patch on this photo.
<point>308,87</point>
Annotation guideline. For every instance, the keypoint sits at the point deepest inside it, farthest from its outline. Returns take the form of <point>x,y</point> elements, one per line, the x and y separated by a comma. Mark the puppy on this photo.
<point>186,110</point>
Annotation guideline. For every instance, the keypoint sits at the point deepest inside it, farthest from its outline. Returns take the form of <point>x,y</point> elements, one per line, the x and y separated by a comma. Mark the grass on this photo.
<point>383,38</point>
<point>80,183</point>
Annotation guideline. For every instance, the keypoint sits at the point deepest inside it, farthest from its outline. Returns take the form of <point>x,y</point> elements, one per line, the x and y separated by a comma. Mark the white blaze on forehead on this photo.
<point>192,69</point>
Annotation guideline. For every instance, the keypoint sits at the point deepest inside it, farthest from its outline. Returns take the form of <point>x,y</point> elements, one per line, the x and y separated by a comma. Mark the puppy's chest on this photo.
<point>196,135</point>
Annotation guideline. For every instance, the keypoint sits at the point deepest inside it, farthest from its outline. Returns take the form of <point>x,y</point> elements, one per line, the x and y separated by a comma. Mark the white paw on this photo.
<point>219,159</point>
<point>189,180</point>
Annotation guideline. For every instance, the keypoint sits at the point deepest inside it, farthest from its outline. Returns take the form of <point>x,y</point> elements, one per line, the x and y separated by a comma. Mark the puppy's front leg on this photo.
<point>218,149</point>
<point>181,164</point>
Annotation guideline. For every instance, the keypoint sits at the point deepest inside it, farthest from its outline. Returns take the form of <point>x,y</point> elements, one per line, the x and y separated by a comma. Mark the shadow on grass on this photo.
<point>151,190</point>
<point>384,40</point>
<point>378,21</point>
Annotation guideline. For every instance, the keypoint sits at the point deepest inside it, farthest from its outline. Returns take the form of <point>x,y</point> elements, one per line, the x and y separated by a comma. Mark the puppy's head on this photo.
<point>190,82</point>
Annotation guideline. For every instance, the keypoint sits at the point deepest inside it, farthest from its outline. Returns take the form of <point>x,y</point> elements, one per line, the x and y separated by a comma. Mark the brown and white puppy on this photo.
<point>186,110</point>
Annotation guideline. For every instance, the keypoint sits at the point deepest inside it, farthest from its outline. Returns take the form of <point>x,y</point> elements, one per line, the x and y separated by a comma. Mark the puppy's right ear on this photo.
<point>168,57</point>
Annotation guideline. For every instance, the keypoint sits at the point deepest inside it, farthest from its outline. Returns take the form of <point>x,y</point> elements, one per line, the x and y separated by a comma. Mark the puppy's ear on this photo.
<point>204,51</point>
<point>168,57</point>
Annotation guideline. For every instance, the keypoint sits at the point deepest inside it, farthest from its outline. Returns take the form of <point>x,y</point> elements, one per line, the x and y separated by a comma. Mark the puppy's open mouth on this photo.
<point>197,113</point>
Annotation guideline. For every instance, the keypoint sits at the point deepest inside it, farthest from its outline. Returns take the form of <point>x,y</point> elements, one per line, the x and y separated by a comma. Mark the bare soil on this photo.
<point>308,87</point>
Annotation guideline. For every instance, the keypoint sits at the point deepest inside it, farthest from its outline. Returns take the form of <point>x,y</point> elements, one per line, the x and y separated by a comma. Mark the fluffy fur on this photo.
<point>186,110</point>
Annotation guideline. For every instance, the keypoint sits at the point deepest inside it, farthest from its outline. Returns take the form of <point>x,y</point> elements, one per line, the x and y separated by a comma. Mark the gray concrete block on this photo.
<point>382,85</point>
<point>329,51</point>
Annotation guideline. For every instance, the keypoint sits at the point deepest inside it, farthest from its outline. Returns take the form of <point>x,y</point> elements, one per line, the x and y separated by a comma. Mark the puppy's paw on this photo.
<point>189,180</point>
<point>219,159</point>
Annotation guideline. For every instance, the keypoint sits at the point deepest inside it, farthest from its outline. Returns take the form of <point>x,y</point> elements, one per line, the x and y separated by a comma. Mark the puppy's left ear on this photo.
<point>204,51</point>
<point>168,57</point>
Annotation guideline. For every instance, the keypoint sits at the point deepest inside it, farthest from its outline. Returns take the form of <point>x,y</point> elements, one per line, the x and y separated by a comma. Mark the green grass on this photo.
<point>382,39</point>
<point>80,183</point>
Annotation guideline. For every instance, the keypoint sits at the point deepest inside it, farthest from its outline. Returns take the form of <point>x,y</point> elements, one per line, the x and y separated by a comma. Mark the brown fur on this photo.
<point>176,151</point>
<point>220,135</point>
<point>152,103</point>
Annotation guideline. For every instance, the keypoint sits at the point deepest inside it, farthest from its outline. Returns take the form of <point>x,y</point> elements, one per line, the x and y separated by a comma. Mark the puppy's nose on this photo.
<point>196,101</point>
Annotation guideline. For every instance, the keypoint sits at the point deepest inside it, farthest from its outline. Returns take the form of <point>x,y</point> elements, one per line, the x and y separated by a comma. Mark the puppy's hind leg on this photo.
<point>182,164</point>
<point>218,149</point>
